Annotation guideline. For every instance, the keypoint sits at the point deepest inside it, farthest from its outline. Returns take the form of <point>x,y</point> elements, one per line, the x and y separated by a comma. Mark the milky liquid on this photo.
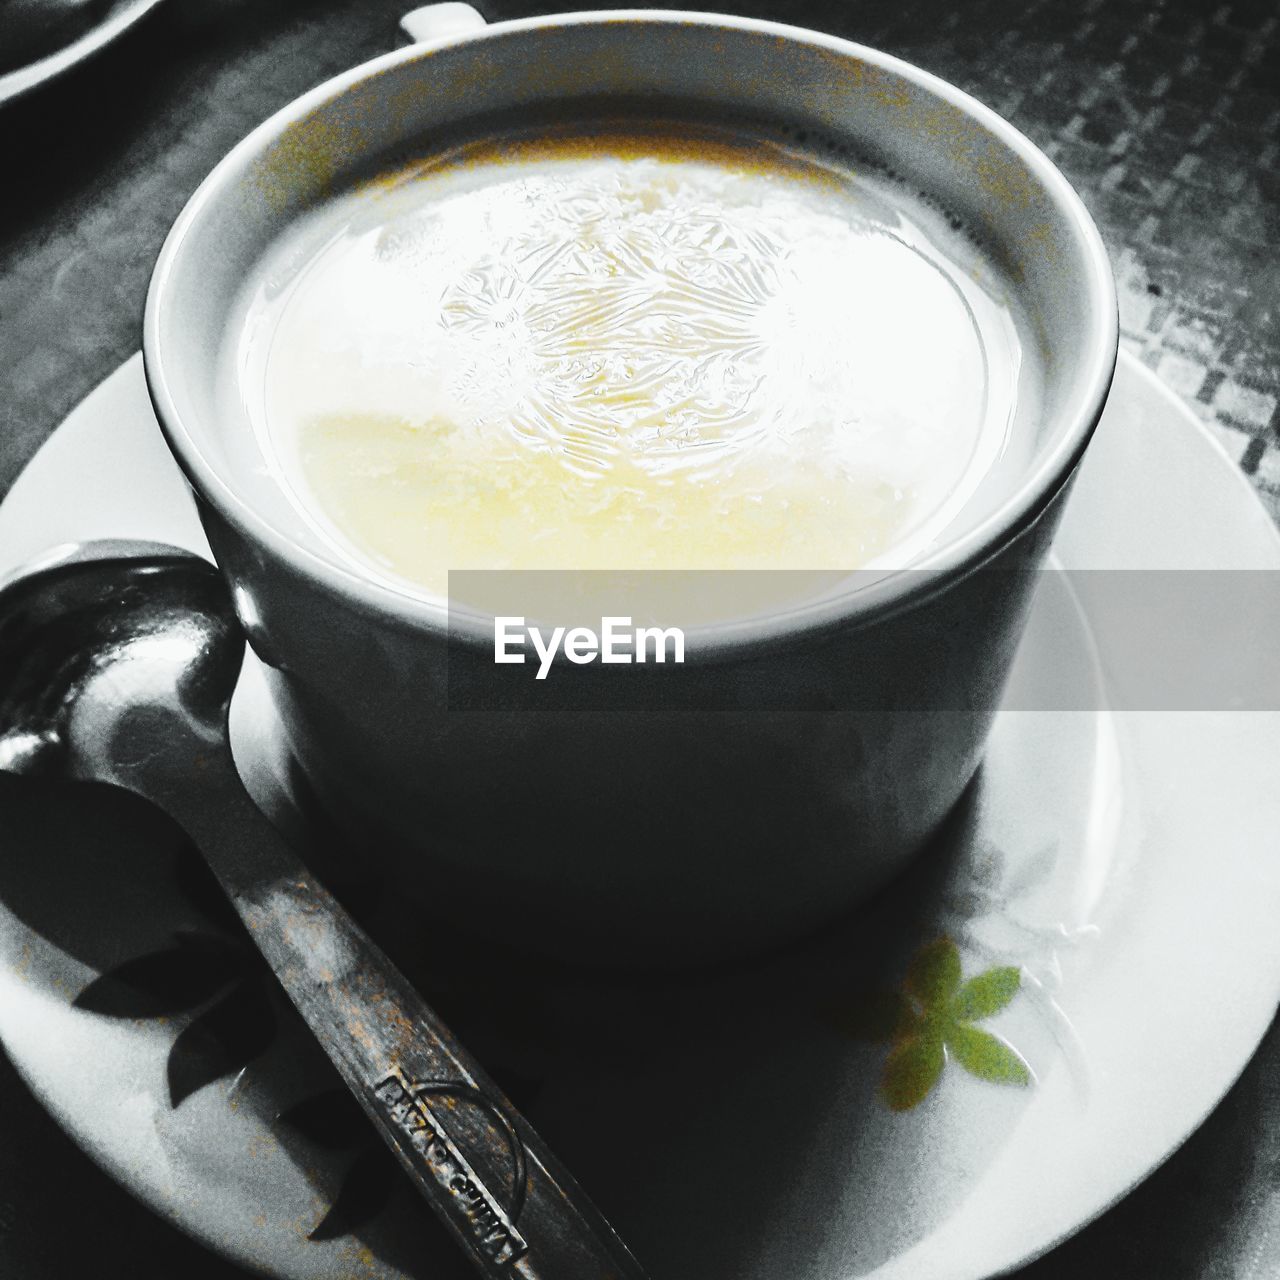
<point>629,351</point>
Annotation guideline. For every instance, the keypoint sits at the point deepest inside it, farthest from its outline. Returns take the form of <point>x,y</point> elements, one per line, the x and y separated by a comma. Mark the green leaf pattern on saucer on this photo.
<point>929,1021</point>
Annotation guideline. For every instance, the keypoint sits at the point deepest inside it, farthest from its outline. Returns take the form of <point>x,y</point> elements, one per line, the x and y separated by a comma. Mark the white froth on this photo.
<point>629,352</point>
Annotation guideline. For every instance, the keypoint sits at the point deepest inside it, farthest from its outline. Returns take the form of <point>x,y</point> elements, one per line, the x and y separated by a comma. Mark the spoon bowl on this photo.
<point>100,652</point>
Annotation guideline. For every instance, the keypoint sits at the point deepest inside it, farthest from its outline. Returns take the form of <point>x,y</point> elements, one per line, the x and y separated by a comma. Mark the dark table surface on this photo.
<point>1166,117</point>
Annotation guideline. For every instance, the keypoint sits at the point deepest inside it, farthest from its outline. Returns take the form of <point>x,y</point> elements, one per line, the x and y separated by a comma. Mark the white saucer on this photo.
<point>110,25</point>
<point>731,1124</point>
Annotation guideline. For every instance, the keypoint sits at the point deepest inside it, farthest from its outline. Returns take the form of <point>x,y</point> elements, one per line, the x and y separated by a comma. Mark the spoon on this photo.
<point>117,664</point>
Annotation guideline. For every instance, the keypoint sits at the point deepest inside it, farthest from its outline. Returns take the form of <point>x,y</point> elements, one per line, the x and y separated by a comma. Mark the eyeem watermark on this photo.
<point>616,641</point>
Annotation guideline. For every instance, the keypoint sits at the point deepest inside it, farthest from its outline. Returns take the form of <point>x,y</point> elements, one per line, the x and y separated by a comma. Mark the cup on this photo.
<point>809,753</point>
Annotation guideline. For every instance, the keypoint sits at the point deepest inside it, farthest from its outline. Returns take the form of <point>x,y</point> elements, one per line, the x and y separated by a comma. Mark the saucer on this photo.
<point>108,25</point>
<point>966,1070</point>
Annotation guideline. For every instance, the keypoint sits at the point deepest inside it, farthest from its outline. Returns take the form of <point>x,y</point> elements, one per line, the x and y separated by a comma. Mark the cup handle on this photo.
<point>434,22</point>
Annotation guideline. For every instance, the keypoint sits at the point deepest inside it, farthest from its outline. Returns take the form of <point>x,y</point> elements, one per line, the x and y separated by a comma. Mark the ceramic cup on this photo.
<point>808,754</point>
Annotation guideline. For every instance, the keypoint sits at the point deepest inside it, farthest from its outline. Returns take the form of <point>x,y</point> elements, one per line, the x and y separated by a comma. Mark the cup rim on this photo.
<point>894,590</point>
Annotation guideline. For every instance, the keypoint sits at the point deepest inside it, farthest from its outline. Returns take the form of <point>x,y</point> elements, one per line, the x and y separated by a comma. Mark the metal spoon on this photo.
<point>117,663</point>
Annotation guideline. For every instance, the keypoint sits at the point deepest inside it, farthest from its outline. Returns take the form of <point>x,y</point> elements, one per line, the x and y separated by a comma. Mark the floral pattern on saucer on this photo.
<point>929,1021</point>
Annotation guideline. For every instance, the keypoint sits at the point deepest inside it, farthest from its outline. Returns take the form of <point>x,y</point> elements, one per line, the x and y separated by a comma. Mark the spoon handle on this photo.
<point>479,1163</point>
